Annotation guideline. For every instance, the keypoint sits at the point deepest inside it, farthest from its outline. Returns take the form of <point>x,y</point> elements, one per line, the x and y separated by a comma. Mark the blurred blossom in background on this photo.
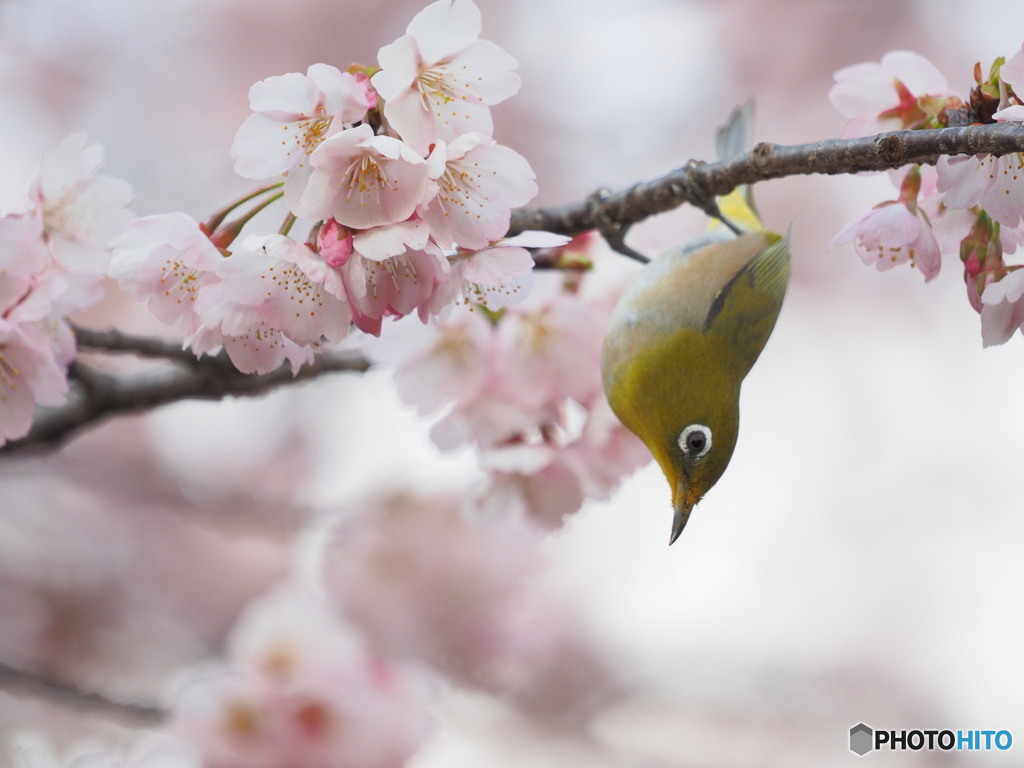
<point>858,562</point>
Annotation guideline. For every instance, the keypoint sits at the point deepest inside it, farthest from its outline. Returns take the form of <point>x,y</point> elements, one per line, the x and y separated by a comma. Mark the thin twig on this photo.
<point>87,702</point>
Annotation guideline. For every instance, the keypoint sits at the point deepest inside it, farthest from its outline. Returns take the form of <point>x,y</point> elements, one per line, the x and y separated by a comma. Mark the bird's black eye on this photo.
<point>695,441</point>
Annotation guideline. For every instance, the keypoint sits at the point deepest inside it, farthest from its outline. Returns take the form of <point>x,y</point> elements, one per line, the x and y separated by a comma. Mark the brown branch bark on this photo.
<point>88,702</point>
<point>96,396</point>
<point>698,183</point>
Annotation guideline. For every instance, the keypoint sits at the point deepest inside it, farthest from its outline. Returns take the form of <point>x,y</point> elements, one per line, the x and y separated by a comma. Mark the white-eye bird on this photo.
<point>681,340</point>
<point>678,345</point>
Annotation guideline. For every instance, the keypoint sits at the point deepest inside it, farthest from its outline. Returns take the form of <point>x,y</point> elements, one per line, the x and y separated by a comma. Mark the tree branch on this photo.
<point>697,183</point>
<point>96,396</point>
<point>88,702</point>
<point>143,346</point>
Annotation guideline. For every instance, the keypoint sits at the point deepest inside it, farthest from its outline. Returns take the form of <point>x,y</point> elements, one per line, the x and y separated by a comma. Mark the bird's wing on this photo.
<point>744,312</point>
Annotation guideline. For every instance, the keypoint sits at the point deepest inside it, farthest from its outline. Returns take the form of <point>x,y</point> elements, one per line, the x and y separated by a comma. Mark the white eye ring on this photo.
<point>695,441</point>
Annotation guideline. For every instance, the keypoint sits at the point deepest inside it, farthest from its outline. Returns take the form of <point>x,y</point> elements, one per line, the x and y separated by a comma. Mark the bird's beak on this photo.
<point>684,502</point>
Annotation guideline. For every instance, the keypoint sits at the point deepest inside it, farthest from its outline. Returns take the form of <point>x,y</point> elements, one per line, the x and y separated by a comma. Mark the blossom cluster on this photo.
<point>52,253</point>
<point>407,195</point>
<point>300,688</point>
<point>970,205</point>
<point>424,582</point>
<point>524,388</point>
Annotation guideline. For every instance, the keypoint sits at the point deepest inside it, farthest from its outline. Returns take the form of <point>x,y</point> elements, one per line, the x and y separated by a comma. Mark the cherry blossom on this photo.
<point>438,80</point>
<point>1002,312</point>
<point>380,243</point>
<point>524,389</point>
<point>422,580</point>
<point>496,275</point>
<point>29,375</point>
<point>605,451</point>
<point>293,113</point>
<point>895,232</point>
<point>36,344</point>
<point>891,234</point>
<point>1012,71</point>
<point>545,494</point>
<point>994,183</point>
<point>273,301</point>
<point>889,95</point>
<point>80,209</point>
<point>551,351</point>
<point>425,583</point>
<point>166,259</point>
<point>386,286</point>
<point>23,251</point>
<point>443,361</point>
<point>299,690</point>
<point>286,284</point>
<point>362,180</point>
<point>479,184</point>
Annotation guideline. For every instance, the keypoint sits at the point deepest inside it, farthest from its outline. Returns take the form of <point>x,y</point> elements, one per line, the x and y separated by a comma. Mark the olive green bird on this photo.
<point>678,345</point>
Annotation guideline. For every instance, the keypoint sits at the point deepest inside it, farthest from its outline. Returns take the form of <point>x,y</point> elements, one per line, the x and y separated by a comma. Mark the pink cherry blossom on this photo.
<point>166,259</point>
<point>30,374</point>
<point>1002,312</point>
<point>274,300</point>
<point>362,180</point>
<point>525,390</point>
<point>496,275</point>
<point>994,183</point>
<point>54,295</point>
<point>445,361</point>
<point>438,80</point>
<point>605,451</point>
<point>261,349</point>
<point>36,344</point>
<point>393,287</point>
<point>422,580</point>
<point>485,421</point>
<point>289,286</point>
<point>299,690</point>
<point>551,352</point>
<point>479,183</point>
<point>885,96</point>
<point>1012,71</point>
<point>385,285</point>
<point>293,113</point>
<point>1011,114</point>
<point>80,209</point>
<point>546,494</point>
<point>891,234</point>
<point>425,583</point>
<point>23,251</point>
<point>34,353</point>
<point>380,243</point>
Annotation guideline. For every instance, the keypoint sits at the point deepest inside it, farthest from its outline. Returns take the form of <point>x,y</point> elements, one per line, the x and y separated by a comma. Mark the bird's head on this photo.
<point>689,420</point>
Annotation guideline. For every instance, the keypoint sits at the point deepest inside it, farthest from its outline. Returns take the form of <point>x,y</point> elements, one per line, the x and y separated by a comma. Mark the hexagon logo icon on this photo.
<point>861,738</point>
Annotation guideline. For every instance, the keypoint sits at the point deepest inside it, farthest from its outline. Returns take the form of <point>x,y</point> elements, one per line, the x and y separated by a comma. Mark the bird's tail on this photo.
<point>733,139</point>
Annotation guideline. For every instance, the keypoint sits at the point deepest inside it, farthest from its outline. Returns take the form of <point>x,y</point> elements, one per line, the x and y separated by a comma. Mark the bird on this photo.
<point>678,345</point>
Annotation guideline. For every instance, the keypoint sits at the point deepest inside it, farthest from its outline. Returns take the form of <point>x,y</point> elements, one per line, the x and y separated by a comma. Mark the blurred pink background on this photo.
<point>859,561</point>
